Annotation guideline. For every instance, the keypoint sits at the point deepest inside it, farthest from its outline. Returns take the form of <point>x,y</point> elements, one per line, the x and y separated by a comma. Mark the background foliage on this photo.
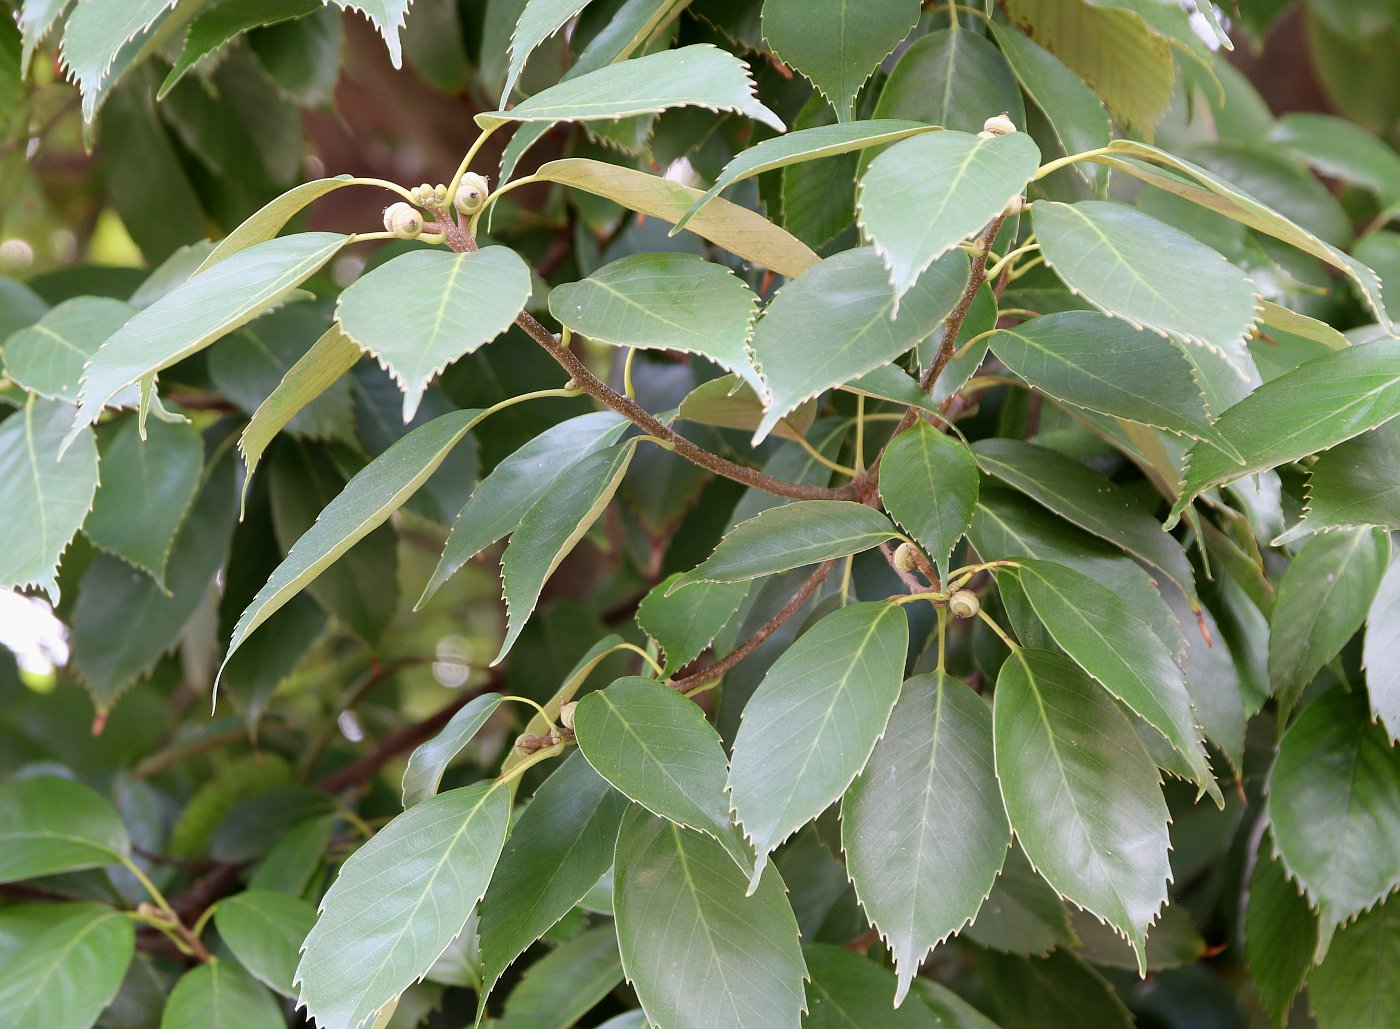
<point>838,670</point>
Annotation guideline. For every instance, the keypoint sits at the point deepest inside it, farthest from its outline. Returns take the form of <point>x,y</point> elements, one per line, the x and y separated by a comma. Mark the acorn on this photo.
<point>904,557</point>
<point>472,192</point>
<point>964,604</point>
<point>403,220</point>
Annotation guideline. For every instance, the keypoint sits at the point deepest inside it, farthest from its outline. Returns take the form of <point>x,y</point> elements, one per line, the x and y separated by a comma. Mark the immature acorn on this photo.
<point>566,714</point>
<point>904,557</point>
<point>403,220</point>
<point>472,192</point>
<point>997,125</point>
<point>964,604</point>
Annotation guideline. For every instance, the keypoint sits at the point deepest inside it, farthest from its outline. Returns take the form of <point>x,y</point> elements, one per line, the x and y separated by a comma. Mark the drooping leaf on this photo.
<point>923,196</point>
<point>48,356</point>
<point>664,302</point>
<point>1280,935</point>
<point>837,322</point>
<point>1322,602</point>
<point>69,969</point>
<point>558,849</point>
<point>657,748</point>
<point>923,827</point>
<point>387,16</point>
<point>1334,806</point>
<point>1055,992</point>
<point>1381,653</point>
<point>1356,483</point>
<point>215,27</point>
<point>148,487</point>
<point>698,951</point>
<point>837,46</point>
<point>928,482</point>
<point>420,875</point>
<point>264,930</point>
<point>849,991</point>
<point>552,528</point>
<point>565,984</point>
<point>49,495</point>
<point>1129,264</point>
<point>220,995</point>
<point>737,229</point>
<point>1081,792</point>
<point>700,75</point>
<point>953,79</point>
<point>539,20</point>
<point>50,825</point>
<point>501,499</point>
<point>1354,986</point>
<point>805,532</point>
<point>429,760</point>
<point>684,623</point>
<point>213,303</point>
<point>1120,650</point>
<point>810,727</point>
<point>423,310</point>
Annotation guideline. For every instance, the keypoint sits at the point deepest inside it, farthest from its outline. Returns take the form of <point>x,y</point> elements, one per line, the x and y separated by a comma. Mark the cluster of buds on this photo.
<point>429,196</point>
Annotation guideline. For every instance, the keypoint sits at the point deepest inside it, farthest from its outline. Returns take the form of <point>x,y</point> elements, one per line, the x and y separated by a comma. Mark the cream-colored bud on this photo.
<point>999,125</point>
<point>904,557</point>
<point>566,714</point>
<point>403,220</point>
<point>964,604</point>
<point>472,192</point>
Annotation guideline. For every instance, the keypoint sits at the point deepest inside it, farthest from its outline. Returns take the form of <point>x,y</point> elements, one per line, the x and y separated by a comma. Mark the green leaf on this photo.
<point>1105,365</point>
<point>1334,805</point>
<point>96,33</point>
<point>727,402</point>
<point>664,302</point>
<point>1322,602</point>
<point>1129,264</point>
<point>48,356</point>
<point>50,825</point>
<point>951,1010</point>
<point>565,984</point>
<point>805,532</point>
<point>1354,987</point>
<point>837,46</point>
<point>1120,650</point>
<point>272,217</point>
<point>923,196</point>
<point>23,307</point>
<point>539,20</point>
<point>928,483</point>
<point>893,383</point>
<point>148,487</point>
<point>1089,500</point>
<point>804,145</point>
<point>552,528</point>
<point>691,76</point>
<point>558,849</point>
<point>211,304</point>
<point>684,623</point>
<point>369,499</point>
<point>421,875</point>
<point>1355,484</point>
<point>1022,914</point>
<point>810,727</point>
<point>1054,992</point>
<point>429,760</point>
<point>264,930</point>
<point>220,995</point>
<point>1280,936</point>
<point>36,19</point>
<point>923,828</point>
<point>387,16</point>
<point>657,748</point>
<point>216,27</point>
<point>500,500</point>
<point>49,492</point>
<point>951,78</point>
<point>844,311</point>
<point>1341,150</point>
<point>742,232</point>
<point>1323,402</point>
<point>423,310</point>
<point>1075,114</point>
<point>1081,792</point>
<point>69,969</point>
<point>1381,654</point>
<point>698,951</point>
<point>850,990</point>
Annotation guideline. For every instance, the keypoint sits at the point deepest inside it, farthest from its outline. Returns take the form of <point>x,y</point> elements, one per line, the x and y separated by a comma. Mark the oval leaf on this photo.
<point>48,356</point>
<point>220,995</point>
<point>264,930</point>
<point>50,825</point>
<point>928,483</point>
<point>68,971</point>
<point>427,763</point>
<point>686,622</point>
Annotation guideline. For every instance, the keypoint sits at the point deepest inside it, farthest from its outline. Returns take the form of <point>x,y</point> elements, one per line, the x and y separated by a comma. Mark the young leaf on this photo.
<point>49,495</point>
<point>211,304</point>
<point>922,827</point>
<point>420,875</point>
<point>684,623</point>
<point>691,76</point>
<point>48,356</point>
<point>1131,265</point>
<point>837,46</point>
<point>838,321</point>
<point>810,727</point>
<point>552,528</point>
<point>423,310</point>
<point>928,483</point>
<point>805,532</point>
<point>560,846</point>
<point>742,232</point>
<point>1081,792</point>
<point>1120,650</point>
<point>1280,935</point>
<point>657,748</point>
<point>665,302</point>
<point>220,995</point>
<point>264,930</point>
<point>698,951</point>
<point>1381,654</point>
<point>1355,984</point>
<point>427,763</point>
<point>923,196</point>
<point>1334,805</point>
<point>50,825</point>
<point>1322,602</point>
<point>514,486</point>
<point>69,969</point>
